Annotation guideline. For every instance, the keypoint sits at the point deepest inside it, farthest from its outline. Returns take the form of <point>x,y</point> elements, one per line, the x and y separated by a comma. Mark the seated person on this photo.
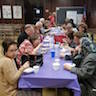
<point>9,74</point>
<point>77,37</point>
<point>83,28</point>
<point>28,30</point>
<point>44,28</point>
<point>28,47</point>
<point>47,24</point>
<point>76,54</point>
<point>87,71</point>
<point>38,27</point>
<point>64,27</point>
<point>70,33</point>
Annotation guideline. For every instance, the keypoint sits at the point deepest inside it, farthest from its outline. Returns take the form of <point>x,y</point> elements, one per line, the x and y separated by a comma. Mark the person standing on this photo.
<point>52,18</point>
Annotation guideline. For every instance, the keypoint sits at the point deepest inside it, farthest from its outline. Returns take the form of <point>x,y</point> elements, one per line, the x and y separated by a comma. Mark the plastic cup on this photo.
<point>53,53</point>
<point>56,66</point>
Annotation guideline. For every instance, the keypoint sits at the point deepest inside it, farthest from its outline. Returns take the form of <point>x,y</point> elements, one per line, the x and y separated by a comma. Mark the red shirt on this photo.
<point>52,20</point>
<point>25,48</point>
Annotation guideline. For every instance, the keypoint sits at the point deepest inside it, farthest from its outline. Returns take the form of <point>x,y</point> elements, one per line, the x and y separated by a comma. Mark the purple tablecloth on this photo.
<point>48,78</point>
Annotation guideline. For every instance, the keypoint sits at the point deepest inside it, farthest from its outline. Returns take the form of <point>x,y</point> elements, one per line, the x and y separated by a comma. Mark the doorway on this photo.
<point>32,12</point>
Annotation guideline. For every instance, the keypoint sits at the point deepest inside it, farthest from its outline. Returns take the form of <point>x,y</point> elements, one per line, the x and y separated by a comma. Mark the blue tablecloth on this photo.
<point>48,78</point>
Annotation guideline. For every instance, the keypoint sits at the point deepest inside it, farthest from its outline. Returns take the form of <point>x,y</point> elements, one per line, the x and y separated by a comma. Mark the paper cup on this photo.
<point>56,66</point>
<point>36,68</point>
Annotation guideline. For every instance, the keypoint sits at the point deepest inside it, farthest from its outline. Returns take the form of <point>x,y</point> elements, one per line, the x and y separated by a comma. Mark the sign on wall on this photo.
<point>17,12</point>
<point>6,12</point>
<point>72,15</point>
<point>79,18</point>
<point>73,12</point>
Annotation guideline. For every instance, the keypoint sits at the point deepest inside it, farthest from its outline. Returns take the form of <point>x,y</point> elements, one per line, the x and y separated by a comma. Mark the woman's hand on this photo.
<point>67,67</point>
<point>78,48</point>
<point>40,45</point>
<point>26,65</point>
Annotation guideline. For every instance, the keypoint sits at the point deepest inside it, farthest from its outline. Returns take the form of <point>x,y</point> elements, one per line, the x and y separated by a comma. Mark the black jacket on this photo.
<point>22,37</point>
<point>87,71</point>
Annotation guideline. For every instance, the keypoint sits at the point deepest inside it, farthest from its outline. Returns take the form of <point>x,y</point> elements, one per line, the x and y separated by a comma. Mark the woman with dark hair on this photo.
<point>72,22</point>
<point>87,71</point>
<point>9,74</point>
<point>70,35</point>
<point>82,27</point>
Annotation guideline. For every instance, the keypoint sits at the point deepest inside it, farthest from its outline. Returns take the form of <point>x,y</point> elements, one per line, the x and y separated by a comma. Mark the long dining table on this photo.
<point>47,77</point>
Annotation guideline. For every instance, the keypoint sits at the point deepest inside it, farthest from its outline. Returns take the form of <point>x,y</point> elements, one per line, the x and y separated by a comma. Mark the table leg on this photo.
<point>29,92</point>
<point>49,92</point>
<point>64,92</point>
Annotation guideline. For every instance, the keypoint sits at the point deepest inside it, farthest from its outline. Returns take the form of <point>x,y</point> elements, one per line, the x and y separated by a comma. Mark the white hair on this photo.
<point>38,23</point>
<point>28,26</point>
<point>42,20</point>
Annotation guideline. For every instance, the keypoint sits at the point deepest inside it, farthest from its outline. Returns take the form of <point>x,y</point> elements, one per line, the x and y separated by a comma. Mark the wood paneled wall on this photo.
<point>52,4</point>
<point>91,13</point>
<point>12,3</point>
<point>89,4</point>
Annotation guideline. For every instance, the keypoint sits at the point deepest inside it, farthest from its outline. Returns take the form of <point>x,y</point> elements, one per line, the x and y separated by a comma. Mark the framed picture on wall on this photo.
<point>17,12</point>
<point>6,11</point>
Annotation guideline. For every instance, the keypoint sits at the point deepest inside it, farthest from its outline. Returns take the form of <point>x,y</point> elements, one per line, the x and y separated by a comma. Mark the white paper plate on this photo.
<point>29,70</point>
<point>71,64</point>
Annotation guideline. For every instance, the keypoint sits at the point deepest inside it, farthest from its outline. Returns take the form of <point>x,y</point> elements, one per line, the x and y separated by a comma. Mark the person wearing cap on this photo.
<point>87,71</point>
